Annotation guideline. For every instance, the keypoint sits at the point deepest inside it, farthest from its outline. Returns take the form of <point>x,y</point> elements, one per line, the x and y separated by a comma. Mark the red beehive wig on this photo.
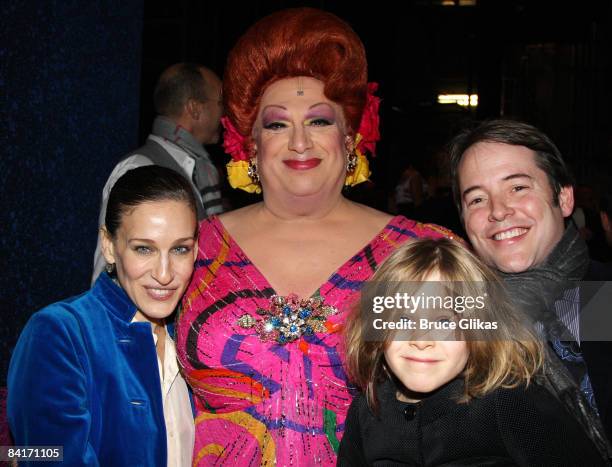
<point>295,42</point>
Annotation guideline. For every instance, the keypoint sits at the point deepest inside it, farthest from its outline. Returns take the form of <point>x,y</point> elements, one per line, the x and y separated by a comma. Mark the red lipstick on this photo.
<point>302,165</point>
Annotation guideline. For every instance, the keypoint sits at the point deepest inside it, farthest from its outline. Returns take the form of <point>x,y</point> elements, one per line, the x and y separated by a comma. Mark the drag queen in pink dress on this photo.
<point>259,333</point>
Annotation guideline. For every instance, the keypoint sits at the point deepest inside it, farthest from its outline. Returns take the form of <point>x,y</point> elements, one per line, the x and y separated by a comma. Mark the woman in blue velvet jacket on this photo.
<point>97,373</point>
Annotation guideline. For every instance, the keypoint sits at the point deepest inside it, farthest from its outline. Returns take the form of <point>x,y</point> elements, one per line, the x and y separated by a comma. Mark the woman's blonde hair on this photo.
<point>511,357</point>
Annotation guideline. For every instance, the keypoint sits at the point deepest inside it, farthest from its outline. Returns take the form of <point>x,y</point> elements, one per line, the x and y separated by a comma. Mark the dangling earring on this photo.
<point>252,171</point>
<point>110,268</point>
<point>351,157</point>
<point>351,162</point>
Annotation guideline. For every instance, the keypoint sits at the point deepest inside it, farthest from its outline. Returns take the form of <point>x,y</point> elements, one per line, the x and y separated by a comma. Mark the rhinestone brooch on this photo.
<point>289,318</point>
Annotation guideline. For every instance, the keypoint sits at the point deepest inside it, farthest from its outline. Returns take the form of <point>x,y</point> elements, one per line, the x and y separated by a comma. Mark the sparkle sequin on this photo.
<point>258,402</point>
<point>289,318</point>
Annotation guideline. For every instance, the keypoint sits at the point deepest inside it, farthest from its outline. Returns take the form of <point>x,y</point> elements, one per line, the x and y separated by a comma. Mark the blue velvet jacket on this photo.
<point>84,377</point>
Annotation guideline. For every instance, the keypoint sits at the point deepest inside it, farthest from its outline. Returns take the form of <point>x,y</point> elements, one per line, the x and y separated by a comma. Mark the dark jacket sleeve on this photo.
<point>351,447</point>
<point>537,430</point>
<point>47,387</point>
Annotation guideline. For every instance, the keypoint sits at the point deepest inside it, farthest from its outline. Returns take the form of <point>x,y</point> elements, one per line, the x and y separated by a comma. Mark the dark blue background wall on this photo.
<point>69,87</point>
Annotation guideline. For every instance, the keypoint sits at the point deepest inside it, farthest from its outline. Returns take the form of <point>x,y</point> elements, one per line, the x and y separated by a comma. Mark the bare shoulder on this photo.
<point>237,220</point>
<point>370,217</point>
<point>373,220</point>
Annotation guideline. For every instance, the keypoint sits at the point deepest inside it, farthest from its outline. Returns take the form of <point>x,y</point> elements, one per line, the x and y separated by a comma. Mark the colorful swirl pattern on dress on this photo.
<point>258,402</point>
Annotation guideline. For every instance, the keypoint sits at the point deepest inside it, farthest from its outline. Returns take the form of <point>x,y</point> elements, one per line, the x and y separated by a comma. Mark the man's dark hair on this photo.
<point>144,185</point>
<point>547,156</point>
<point>175,88</point>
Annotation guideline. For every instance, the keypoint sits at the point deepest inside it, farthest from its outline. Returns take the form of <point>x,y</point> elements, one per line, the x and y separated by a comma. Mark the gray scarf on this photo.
<point>167,129</point>
<point>535,292</point>
<point>205,175</point>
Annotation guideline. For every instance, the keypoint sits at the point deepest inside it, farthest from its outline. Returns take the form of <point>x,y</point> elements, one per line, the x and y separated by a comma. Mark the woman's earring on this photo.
<point>252,171</point>
<point>351,162</point>
<point>110,268</point>
<point>351,157</point>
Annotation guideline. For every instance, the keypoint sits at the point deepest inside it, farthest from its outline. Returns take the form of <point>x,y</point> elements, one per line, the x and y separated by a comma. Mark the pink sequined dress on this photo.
<point>258,401</point>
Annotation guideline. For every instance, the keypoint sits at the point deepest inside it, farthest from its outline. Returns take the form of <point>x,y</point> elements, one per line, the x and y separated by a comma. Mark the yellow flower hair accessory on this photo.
<point>238,176</point>
<point>362,169</point>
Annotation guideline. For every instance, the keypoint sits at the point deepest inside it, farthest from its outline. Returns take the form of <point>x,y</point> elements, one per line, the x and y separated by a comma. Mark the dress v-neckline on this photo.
<point>233,243</point>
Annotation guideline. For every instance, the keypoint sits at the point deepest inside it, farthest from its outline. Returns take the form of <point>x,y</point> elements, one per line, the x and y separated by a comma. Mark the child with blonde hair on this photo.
<point>463,389</point>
